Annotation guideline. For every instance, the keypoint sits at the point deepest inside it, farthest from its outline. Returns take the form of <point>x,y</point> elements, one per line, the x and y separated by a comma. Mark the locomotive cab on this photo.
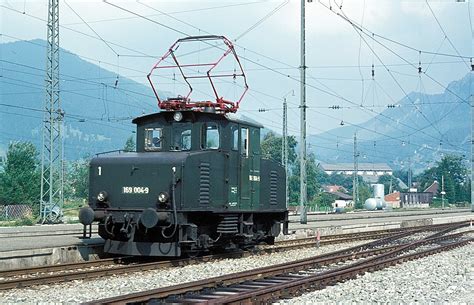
<point>230,147</point>
<point>196,182</point>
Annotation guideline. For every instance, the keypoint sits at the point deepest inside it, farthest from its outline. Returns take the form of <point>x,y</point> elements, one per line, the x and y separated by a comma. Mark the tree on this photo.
<point>20,179</point>
<point>389,181</point>
<point>314,176</point>
<point>454,172</point>
<point>130,144</point>
<point>339,179</point>
<point>271,148</point>
<point>77,185</point>
<point>365,192</point>
<point>324,199</point>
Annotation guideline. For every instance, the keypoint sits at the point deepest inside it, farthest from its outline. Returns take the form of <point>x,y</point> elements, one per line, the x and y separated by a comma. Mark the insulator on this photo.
<point>472,65</point>
<point>261,110</point>
<point>373,71</point>
<point>419,62</point>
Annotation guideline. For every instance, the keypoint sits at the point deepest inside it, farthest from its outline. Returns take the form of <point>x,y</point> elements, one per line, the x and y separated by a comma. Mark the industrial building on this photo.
<point>370,172</point>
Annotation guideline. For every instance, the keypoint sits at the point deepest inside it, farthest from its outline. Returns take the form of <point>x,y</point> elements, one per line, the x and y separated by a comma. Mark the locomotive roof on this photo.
<point>212,116</point>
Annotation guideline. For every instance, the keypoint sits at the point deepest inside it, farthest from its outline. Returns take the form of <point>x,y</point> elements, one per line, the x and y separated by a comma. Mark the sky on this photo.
<point>128,37</point>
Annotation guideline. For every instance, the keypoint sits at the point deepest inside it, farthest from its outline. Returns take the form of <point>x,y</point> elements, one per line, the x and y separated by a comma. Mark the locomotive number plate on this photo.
<point>135,190</point>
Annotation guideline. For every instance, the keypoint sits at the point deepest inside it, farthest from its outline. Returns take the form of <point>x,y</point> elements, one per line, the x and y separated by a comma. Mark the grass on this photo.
<point>71,208</point>
<point>27,221</point>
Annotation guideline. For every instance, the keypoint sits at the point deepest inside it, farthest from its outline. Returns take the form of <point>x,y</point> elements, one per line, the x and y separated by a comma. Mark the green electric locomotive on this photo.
<point>197,181</point>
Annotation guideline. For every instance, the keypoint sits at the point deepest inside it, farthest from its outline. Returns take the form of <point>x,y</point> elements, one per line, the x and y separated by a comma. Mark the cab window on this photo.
<point>210,136</point>
<point>181,137</point>
<point>153,137</point>
<point>235,137</point>
<point>244,139</point>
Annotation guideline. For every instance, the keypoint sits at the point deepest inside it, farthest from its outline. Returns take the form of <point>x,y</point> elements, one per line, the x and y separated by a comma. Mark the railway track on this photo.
<point>375,214</point>
<point>337,238</point>
<point>268,284</point>
<point>20,278</point>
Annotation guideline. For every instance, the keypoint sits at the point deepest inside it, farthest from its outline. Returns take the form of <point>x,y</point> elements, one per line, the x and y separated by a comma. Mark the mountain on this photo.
<point>418,130</point>
<point>98,104</point>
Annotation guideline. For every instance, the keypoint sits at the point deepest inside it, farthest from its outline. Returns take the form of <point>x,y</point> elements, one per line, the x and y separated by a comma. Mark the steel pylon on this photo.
<point>51,198</point>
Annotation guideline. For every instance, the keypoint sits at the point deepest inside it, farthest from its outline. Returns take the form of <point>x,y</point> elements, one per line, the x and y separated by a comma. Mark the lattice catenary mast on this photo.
<point>51,200</point>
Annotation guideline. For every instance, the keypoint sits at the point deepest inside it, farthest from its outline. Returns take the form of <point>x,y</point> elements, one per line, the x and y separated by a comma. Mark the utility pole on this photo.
<point>442,192</point>
<point>303,180</point>
<point>409,173</point>
<point>284,147</point>
<point>472,146</point>
<point>472,119</point>
<point>355,179</point>
<point>51,197</point>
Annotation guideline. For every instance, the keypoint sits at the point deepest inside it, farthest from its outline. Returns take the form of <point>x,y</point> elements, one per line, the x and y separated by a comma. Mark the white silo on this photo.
<point>377,202</point>
<point>379,191</point>
<point>370,204</point>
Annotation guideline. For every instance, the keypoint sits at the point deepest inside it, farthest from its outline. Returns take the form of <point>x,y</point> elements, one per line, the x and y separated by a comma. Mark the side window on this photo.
<point>181,137</point>
<point>210,136</point>
<point>186,140</point>
<point>244,141</point>
<point>153,137</point>
<point>255,140</point>
<point>235,137</point>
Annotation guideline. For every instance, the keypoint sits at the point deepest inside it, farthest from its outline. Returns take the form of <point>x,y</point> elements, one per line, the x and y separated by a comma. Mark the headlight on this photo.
<point>102,196</point>
<point>163,197</point>
<point>178,116</point>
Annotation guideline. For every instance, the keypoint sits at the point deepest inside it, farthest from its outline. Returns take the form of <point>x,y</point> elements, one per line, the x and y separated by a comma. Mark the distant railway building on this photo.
<point>393,199</point>
<point>433,188</point>
<point>416,200</point>
<point>370,172</point>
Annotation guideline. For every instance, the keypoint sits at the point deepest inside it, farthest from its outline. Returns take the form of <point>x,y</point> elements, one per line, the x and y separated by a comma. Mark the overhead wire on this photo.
<point>262,20</point>
<point>363,30</point>
<point>358,58</point>
<point>372,36</point>
<point>90,28</point>
<point>394,78</point>
<point>444,32</point>
<point>246,3</point>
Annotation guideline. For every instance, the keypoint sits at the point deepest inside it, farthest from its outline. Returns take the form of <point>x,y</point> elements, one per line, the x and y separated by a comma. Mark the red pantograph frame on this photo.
<point>220,105</point>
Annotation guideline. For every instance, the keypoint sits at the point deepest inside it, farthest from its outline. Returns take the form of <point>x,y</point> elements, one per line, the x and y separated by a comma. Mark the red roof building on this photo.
<point>334,188</point>
<point>393,199</point>
<point>433,188</point>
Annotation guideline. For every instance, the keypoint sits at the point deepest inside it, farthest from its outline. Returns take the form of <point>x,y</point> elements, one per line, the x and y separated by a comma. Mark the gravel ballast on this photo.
<point>443,277</point>
<point>89,290</point>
